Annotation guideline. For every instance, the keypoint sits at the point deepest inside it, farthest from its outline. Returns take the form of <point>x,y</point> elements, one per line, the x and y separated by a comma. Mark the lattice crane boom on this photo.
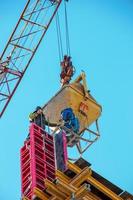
<point>22,45</point>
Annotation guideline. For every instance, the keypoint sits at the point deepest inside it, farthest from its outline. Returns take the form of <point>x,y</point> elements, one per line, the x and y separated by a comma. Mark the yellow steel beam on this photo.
<point>92,196</point>
<point>53,198</point>
<point>81,177</point>
<point>73,167</point>
<point>62,176</point>
<point>103,188</point>
<point>66,188</point>
<point>38,193</point>
<point>53,190</point>
<point>80,193</point>
<point>88,198</point>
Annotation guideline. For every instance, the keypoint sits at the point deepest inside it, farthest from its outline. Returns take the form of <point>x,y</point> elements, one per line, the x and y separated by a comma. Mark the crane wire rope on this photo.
<point>59,37</point>
<point>67,30</point>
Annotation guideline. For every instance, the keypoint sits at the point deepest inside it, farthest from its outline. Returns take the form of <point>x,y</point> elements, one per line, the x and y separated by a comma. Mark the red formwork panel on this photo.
<point>37,161</point>
<point>25,167</point>
<point>49,156</point>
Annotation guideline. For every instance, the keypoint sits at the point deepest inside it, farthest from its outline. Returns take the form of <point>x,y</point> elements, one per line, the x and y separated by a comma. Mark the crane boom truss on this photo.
<point>22,45</point>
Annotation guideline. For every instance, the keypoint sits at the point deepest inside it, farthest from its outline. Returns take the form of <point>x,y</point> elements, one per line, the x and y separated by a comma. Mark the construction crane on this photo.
<point>23,44</point>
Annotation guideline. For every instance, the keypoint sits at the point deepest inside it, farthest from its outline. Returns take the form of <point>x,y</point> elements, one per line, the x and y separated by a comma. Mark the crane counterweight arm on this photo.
<point>22,45</point>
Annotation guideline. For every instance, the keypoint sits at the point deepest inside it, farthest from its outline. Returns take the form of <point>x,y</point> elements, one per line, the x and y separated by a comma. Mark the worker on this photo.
<point>39,119</point>
<point>67,70</point>
<point>70,120</point>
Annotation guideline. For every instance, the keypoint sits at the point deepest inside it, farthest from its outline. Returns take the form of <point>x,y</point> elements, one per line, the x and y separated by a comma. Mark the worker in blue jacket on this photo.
<point>70,120</point>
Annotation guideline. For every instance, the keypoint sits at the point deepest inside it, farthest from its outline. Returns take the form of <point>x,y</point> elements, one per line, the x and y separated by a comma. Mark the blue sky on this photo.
<point>101,35</point>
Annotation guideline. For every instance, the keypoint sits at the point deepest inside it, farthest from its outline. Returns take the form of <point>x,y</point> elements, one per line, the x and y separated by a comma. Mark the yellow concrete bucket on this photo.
<point>76,96</point>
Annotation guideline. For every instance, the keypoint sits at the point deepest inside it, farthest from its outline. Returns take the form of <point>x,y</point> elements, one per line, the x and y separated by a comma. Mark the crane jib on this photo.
<point>22,45</point>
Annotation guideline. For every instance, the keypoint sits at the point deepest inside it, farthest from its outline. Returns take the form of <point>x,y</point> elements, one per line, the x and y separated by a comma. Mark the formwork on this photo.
<point>37,161</point>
